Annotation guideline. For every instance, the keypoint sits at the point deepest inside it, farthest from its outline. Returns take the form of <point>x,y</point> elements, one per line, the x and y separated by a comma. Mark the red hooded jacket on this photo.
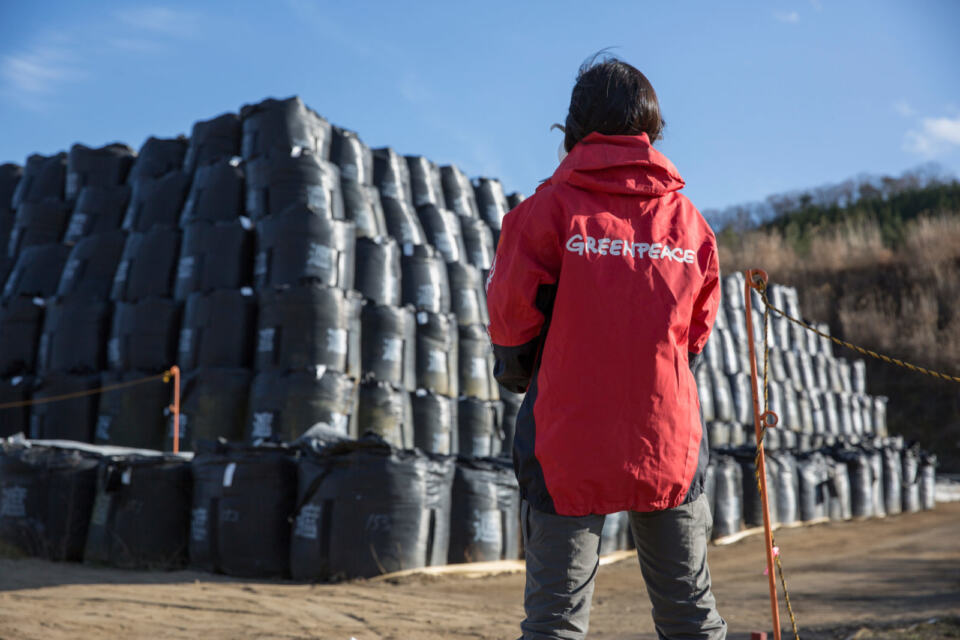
<point>605,283</point>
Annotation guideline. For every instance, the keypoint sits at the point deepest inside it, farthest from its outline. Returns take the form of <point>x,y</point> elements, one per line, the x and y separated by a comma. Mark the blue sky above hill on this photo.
<point>759,97</point>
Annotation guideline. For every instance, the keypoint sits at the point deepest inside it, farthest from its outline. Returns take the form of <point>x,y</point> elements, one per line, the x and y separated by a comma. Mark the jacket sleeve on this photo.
<point>706,305</point>
<point>520,290</point>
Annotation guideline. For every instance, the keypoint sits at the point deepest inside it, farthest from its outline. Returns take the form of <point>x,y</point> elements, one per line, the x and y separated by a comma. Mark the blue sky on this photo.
<point>759,97</point>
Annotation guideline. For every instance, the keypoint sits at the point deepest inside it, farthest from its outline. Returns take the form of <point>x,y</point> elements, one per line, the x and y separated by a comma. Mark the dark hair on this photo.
<point>613,98</point>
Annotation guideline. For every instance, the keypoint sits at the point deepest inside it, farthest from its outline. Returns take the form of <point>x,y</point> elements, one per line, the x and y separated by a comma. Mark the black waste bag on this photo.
<point>928,481</point>
<point>742,398</point>
<point>212,140</point>
<point>402,222</point>
<point>141,514</point>
<point>840,507</point>
<point>392,176</point>
<point>476,363</point>
<point>148,267</point>
<point>845,410</point>
<point>214,256</point>
<point>46,496</point>
<point>388,345</point>
<point>21,324</point>
<point>362,206</point>
<point>490,201</point>
<point>791,408</point>
<point>425,182</point>
<point>787,487</point>
<point>478,242</point>
<point>478,427</point>
<point>442,228</point>
<point>892,480</point>
<point>106,166</point>
<point>37,223</point>
<point>213,405</point>
<point>814,476</point>
<point>437,353</point>
<point>156,201</point>
<point>514,199</point>
<point>424,281</point>
<point>705,393</point>
<point>830,413</point>
<point>280,127</point>
<point>791,360</point>
<point>98,210</point>
<point>159,156</point>
<point>242,502</point>
<point>805,409</point>
<point>818,414</point>
<point>387,412</point>
<point>91,266</point>
<point>378,270</point>
<point>712,355</point>
<point>218,329</point>
<point>10,175</point>
<point>434,422</point>
<point>484,512</point>
<point>354,158</point>
<point>285,405</point>
<point>728,504</point>
<point>511,408</point>
<point>276,183</point>
<point>710,483</point>
<point>731,358</point>
<point>74,335</point>
<point>808,378</point>
<point>133,416</point>
<point>778,369</point>
<point>144,335</point>
<point>298,246</point>
<point>15,420</point>
<point>880,415</point>
<point>722,398</point>
<point>718,434</point>
<point>365,508</point>
<point>43,177</point>
<point>216,195</point>
<point>71,419</point>
<point>752,505</point>
<point>875,453</point>
<point>861,475</point>
<point>741,434</point>
<point>773,439</point>
<point>911,480</point>
<point>458,192</point>
<point>468,297</point>
<point>306,326</point>
<point>612,532</point>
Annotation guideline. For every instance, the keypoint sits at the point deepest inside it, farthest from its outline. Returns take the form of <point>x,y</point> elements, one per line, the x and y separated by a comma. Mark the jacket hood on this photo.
<point>627,165</point>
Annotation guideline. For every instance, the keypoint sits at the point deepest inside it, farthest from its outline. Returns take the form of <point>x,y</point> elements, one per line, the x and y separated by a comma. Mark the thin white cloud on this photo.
<point>817,5</point>
<point>789,17</point>
<point>904,109</point>
<point>158,20</point>
<point>934,136</point>
<point>33,75</point>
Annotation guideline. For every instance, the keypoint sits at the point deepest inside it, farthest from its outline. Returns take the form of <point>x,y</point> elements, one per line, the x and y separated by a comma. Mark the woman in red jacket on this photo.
<point>602,294</point>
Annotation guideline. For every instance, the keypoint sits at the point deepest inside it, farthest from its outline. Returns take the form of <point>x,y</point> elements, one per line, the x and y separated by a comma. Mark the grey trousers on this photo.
<point>563,557</point>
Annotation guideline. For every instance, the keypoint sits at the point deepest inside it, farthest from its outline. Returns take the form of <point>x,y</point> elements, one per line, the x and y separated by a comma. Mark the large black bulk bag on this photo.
<point>710,483</point>
<point>387,412</point>
<point>478,242</point>
<point>21,324</point>
<point>731,357</point>
<point>718,434</point>
<point>742,398</point>
<point>613,532</point>
<point>791,409</point>
<point>928,481</point>
<point>158,156</point>
<point>705,393</point>
<point>218,329</point>
<point>840,507</point>
<point>491,201</point>
<point>875,453</point>
<point>281,127</point>
<point>37,271</point>
<point>880,415</point>
<point>830,413</point>
<point>141,513</point>
<point>68,419</point>
<point>284,405</point>
<point>484,512</point>
<point>728,504</point>
<point>752,504</point>
<point>792,362</point>
<point>425,182</point>
<point>476,363</point>
<point>468,297</point>
<point>388,345</point>
<point>305,326</point>
<point>98,210</point>
<point>805,409</point>
<point>298,246</point>
<point>43,177</point>
<point>216,194</point>
<point>787,487</point>
<point>819,415</point>
<point>437,353</point>
<point>814,477</point>
<point>148,266</point>
<point>892,480</point>
<point>212,140</point>
<point>511,408</point>
<point>722,399</point>
<point>242,502</point>
<point>392,176</point>
<point>778,369</point>
<point>712,355</point>
<point>808,378</point>
<point>74,335</point>
<point>276,183</point>
<point>365,509</point>
<point>144,335</point>
<point>354,158</point>
<point>91,266</point>
<point>861,475</point>
<point>362,206</point>
<point>458,192</point>
<point>378,270</point>
<point>514,199</point>
<point>424,281</point>
<point>37,223</point>
<point>442,228</point>
<point>402,222</point>
<point>434,422</point>
<point>104,167</point>
<point>156,201</point>
<point>214,256</point>
<point>733,290</point>
<point>133,416</point>
<point>15,420</point>
<point>10,175</point>
<point>478,427</point>
<point>46,496</point>
<point>213,404</point>
<point>845,411</point>
<point>911,480</point>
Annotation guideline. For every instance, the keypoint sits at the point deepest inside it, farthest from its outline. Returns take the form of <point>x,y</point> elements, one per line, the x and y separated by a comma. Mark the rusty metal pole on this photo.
<point>175,408</point>
<point>755,276</point>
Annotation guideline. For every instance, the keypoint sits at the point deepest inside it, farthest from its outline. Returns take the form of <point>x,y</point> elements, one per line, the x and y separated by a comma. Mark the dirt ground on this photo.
<point>880,574</point>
